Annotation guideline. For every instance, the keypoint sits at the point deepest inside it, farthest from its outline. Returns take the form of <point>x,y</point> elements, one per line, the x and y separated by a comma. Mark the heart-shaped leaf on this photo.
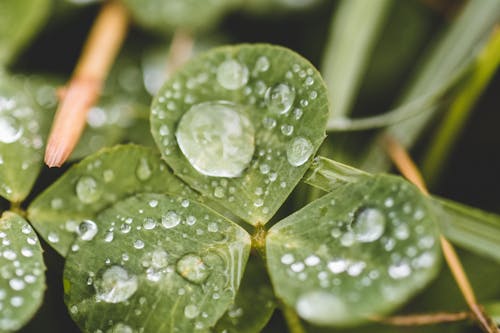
<point>358,252</point>
<point>24,124</point>
<point>19,21</point>
<point>244,316</point>
<point>22,272</point>
<point>241,124</point>
<point>166,15</point>
<point>95,183</point>
<point>154,263</point>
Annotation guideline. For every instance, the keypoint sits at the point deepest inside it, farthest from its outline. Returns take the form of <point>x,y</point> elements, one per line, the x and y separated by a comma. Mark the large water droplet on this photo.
<point>116,285</point>
<point>216,139</point>
<point>191,311</point>
<point>280,98</point>
<point>232,75</point>
<point>368,225</point>
<point>320,307</point>
<point>143,171</point>
<point>170,219</point>
<point>298,151</point>
<point>87,230</point>
<point>10,129</point>
<point>192,268</point>
<point>87,189</point>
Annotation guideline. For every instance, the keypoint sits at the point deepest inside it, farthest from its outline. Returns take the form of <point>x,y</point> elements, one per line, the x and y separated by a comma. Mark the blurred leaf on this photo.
<point>95,183</point>
<point>266,117</point>
<point>24,124</point>
<point>168,15</point>
<point>469,92</point>
<point>171,265</point>
<point>20,20</point>
<point>358,252</point>
<point>468,227</point>
<point>349,48</point>
<point>22,272</point>
<point>455,51</point>
<point>254,303</point>
<point>271,6</point>
<point>493,309</point>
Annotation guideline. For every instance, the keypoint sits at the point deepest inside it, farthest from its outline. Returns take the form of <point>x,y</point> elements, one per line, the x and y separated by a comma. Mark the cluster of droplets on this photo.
<point>381,246</point>
<point>22,271</point>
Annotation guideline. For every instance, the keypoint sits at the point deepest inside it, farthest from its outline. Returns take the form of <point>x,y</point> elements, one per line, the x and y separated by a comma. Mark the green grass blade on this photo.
<point>458,114</point>
<point>470,228</point>
<point>349,48</point>
<point>456,50</point>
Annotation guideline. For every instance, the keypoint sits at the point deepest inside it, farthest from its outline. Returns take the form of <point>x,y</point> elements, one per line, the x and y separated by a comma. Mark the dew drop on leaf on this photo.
<point>320,306</point>
<point>87,230</point>
<point>10,129</point>
<point>115,285</point>
<point>232,75</point>
<point>368,225</point>
<point>87,189</point>
<point>216,139</point>
<point>192,268</point>
<point>120,328</point>
<point>170,220</point>
<point>280,98</point>
<point>298,151</point>
<point>191,311</point>
<point>143,171</point>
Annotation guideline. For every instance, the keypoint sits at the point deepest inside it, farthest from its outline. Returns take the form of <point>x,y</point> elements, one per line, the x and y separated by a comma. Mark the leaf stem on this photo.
<point>292,319</point>
<point>100,50</point>
<point>180,51</point>
<point>407,167</point>
<point>424,318</point>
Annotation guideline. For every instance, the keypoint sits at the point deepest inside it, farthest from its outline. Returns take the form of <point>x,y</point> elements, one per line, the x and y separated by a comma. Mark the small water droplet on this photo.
<point>262,64</point>
<point>287,259</point>
<point>120,328</point>
<point>17,284</point>
<point>312,260</point>
<point>149,223</point>
<point>87,230</point>
<point>153,203</point>
<point>171,219</point>
<point>10,129</point>
<point>139,244</point>
<point>191,311</point>
<point>143,171</point>
<point>88,190</point>
<point>232,75</point>
<point>192,268</point>
<point>116,285</point>
<point>280,98</point>
<point>27,252</point>
<point>399,270</point>
<point>53,237</point>
<point>56,203</point>
<point>298,151</point>
<point>16,301</point>
<point>337,266</point>
<point>216,139</point>
<point>287,130</point>
<point>368,225</point>
<point>108,175</point>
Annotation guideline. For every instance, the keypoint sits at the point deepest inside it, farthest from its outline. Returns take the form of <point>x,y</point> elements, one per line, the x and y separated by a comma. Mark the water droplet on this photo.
<point>16,301</point>
<point>139,244</point>
<point>232,75</point>
<point>143,171</point>
<point>262,64</point>
<point>26,252</point>
<point>337,266</point>
<point>191,311</point>
<point>298,151</point>
<point>312,260</point>
<point>368,225</point>
<point>10,129</point>
<point>213,227</point>
<point>192,268</point>
<point>53,237</point>
<point>216,139</point>
<point>120,328</point>
<point>17,284</point>
<point>287,259</point>
<point>399,270</point>
<point>116,285</point>
<point>321,307</point>
<point>287,130</point>
<point>87,230</point>
<point>56,203</point>
<point>87,190</point>
<point>149,223</point>
<point>108,175</point>
<point>280,98</point>
<point>170,220</point>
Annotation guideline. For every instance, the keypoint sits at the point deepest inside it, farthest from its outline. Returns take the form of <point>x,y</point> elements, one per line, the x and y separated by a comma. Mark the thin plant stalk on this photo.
<point>83,90</point>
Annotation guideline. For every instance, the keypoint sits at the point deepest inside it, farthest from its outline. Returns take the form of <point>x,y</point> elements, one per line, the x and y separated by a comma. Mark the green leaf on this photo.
<point>453,54</point>
<point>154,263</point>
<point>241,124</point>
<point>468,227</point>
<point>360,251</point>
<point>254,303</point>
<point>24,124</point>
<point>167,15</point>
<point>22,272</point>
<point>20,20</point>
<point>95,183</point>
<point>349,47</point>
<point>271,6</point>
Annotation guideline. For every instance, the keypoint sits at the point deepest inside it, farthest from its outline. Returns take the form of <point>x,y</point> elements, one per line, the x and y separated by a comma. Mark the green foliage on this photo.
<point>22,280</point>
<point>199,225</point>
